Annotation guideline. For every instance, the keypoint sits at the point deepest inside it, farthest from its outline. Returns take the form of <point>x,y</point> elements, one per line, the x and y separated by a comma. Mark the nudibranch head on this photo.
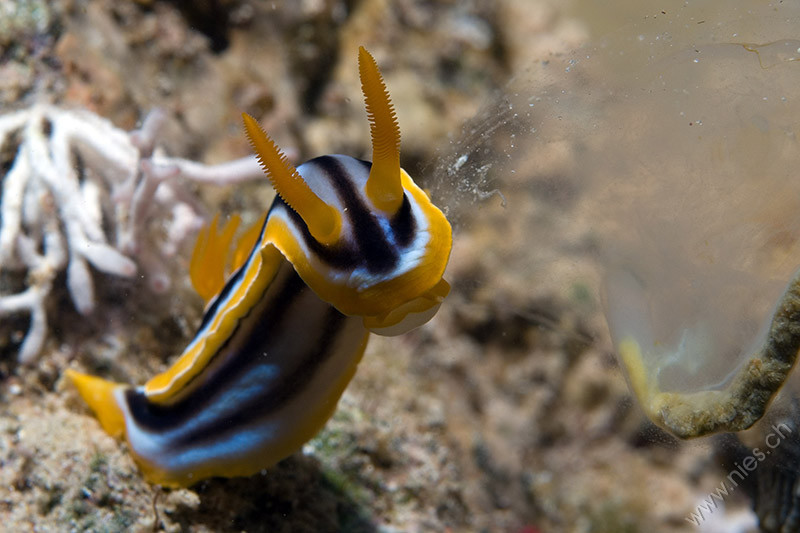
<point>362,235</point>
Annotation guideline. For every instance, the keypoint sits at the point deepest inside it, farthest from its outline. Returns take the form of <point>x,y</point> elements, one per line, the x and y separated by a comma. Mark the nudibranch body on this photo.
<point>347,247</point>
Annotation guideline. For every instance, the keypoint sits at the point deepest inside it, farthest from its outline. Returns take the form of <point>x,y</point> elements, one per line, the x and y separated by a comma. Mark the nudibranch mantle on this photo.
<point>346,248</point>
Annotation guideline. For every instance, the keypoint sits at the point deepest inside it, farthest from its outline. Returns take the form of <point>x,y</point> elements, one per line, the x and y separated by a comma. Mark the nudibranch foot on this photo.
<point>98,394</point>
<point>346,248</point>
<point>746,396</point>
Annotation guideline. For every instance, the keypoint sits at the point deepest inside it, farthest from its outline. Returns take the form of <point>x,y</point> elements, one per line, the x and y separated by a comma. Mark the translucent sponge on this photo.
<point>675,142</point>
<point>699,198</point>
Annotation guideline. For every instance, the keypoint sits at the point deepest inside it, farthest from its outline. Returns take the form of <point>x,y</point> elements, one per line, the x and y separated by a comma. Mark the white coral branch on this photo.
<point>83,192</point>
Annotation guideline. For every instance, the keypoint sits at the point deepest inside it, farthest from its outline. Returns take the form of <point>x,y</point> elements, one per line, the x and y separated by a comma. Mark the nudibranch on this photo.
<point>347,247</point>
